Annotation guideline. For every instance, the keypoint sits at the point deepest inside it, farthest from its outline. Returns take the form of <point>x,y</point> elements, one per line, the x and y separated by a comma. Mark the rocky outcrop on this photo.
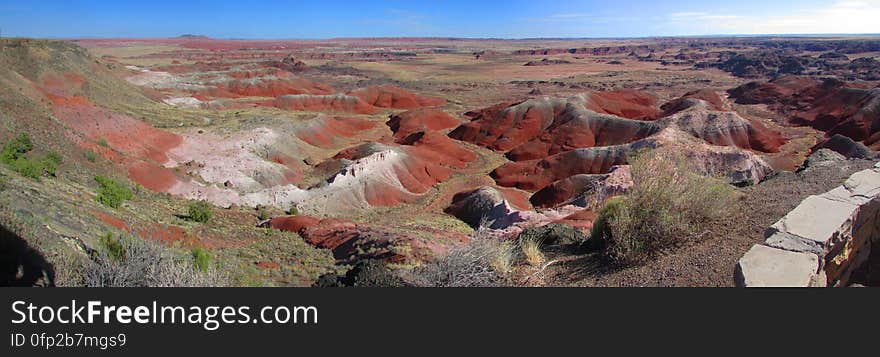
<point>822,242</point>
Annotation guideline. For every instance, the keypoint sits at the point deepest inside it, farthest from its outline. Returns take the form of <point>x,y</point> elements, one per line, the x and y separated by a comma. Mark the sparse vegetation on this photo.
<point>481,263</point>
<point>531,249</point>
<point>112,247</point>
<point>90,155</point>
<point>263,214</point>
<point>201,258</point>
<point>293,211</point>
<point>15,156</point>
<point>669,204</point>
<point>111,193</point>
<point>146,264</point>
<point>200,211</point>
<point>103,142</point>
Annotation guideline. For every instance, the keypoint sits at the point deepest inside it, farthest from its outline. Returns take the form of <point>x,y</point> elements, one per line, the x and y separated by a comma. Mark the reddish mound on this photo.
<point>563,190</point>
<point>393,97</point>
<point>626,103</point>
<point>581,130</point>
<point>325,131</point>
<point>350,241</point>
<point>503,128</point>
<point>438,148</point>
<point>711,97</point>
<point>832,106</point>
<point>425,119</point>
<point>727,129</point>
<point>324,103</point>
<point>534,175</point>
<point>387,176</point>
<point>121,132</point>
<point>258,87</point>
<point>537,128</point>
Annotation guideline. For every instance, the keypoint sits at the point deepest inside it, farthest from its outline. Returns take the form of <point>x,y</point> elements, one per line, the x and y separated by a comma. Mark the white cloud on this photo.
<point>839,17</point>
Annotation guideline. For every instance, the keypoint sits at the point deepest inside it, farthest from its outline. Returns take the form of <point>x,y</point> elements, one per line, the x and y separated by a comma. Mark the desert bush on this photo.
<point>555,234</point>
<point>669,204</point>
<point>50,162</point>
<point>531,250</point>
<point>481,263</point>
<point>146,264</point>
<point>111,193</point>
<point>112,247</point>
<point>14,155</point>
<point>201,258</point>
<point>19,146</point>
<point>90,155</point>
<point>200,211</point>
<point>263,214</point>
<point>293,211</point>
<point>103,142</point>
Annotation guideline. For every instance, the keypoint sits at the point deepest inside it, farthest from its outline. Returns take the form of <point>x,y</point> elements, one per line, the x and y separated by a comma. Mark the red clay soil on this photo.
<point>502,127</point>
<point>534,175</point>
<point>268,88</point>
<point>131,143</point>
<point>417,120</point>
<point>324,103</point>
<point>153,176</point>
<point>582,219</point>
<point>561,191</point>
<point>393,97</point>
<point>349,240</point>
<point>112,221</point>
<point>417,170</point>
<point>572,132</point>
<point>518,199</point>
<point>122,133</point>
<point>850,109</point>
<point>438,148</point>
<point>326,131</point>
<point>711,97</point>
<point>625,103</point>
<point>535,129</point>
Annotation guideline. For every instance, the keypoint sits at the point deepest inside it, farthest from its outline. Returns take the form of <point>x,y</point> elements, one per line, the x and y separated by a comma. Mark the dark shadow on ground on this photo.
<point>22,265</point>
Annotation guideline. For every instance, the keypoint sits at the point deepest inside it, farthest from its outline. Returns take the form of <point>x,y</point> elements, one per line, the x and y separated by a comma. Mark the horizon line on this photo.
<point>186,36</point>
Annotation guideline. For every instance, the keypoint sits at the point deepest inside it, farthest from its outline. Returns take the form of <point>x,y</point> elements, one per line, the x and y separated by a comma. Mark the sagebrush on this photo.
<point>670,203</point>
<point>140,263</point>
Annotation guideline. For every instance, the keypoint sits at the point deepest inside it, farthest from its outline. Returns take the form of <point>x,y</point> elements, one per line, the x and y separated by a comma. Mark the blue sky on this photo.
<point>436,18</point>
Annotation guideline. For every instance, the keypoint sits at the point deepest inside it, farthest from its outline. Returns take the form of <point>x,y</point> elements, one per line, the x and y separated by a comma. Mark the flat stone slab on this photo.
<point>860,188</point>
<point>793,243</point>
<point>764,266</point>
<point>817,218</point>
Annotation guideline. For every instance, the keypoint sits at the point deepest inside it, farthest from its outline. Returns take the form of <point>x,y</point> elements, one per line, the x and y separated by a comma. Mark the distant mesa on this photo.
<point>546,62</point>
<point>193,37</point>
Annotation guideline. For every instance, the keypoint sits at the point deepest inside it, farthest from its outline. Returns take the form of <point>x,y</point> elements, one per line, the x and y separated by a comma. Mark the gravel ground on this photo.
<point>711,261</point>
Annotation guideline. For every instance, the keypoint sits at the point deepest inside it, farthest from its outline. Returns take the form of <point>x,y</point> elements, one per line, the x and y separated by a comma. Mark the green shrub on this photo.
<point>263,214</point>
<point>103,142</point>
<point>200,211</point>
<point>293,211</point>
<point>669,204</point>
<point>201,259</point>
<point>111,193</point>
<point>90,155</point>
<point>31,169</point>
<point>113,247</point>
<point>14,155</point>
<point>50,162</point>
<point>13,150</point>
